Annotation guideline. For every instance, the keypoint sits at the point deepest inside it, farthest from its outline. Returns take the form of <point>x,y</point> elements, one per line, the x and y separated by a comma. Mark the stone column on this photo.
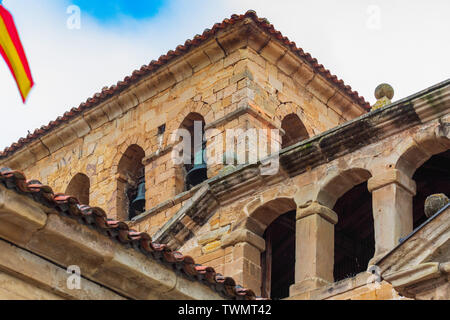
<point>392,203</point>
<point>243,250</point>
<point>120,210</point>
<point>314,257</point>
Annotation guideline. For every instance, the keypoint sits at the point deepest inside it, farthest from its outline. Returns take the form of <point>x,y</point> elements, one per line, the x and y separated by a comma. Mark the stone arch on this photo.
<point>188,120</point>
<point>423,157</point>
<point>122,148</point>
<point>274,222</point>
<point>79,187</point>
<point>286,109</point>
<point>336,185</point>
<point>347,194</point>
<point>294,130</point>
<point>416,150</point>
<point>201,108</point>
<point>268,211</point>
<point>196,145</point>
<point>129,171</point>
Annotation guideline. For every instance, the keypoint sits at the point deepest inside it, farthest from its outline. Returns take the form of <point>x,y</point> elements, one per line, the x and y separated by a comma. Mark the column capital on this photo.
<point>316,208</point>
<point>244,235</point>
<point>389,177</point>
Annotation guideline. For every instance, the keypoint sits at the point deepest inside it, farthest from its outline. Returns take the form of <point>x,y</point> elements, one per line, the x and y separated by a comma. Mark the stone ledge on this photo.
<point>333,289</point>
<point>413,275</point>
<point>307,285</point>
<point>423,281</point>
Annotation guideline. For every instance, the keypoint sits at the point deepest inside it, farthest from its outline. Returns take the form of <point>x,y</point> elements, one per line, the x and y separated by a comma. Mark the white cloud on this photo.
<point>410,50</point>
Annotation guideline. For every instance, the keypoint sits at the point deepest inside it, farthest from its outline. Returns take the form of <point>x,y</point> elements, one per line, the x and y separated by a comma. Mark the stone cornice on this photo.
<point>430,104</point>
<point>421,278</point>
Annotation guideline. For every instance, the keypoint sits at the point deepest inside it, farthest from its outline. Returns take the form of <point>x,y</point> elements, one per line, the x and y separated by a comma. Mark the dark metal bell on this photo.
<point>138,204</point>
<point>198,173</point>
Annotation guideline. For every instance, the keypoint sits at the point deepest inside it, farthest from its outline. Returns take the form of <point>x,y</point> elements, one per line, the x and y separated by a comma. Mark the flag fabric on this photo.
<point>12,51</point>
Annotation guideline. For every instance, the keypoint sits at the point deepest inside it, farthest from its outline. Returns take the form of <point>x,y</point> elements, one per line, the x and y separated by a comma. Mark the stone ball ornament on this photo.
<point>434,203</point>
<point>384,90</point>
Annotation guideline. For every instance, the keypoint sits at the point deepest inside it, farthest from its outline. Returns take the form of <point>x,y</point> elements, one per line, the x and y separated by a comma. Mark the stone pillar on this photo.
<point>243,250</point>
<point>163,179</point>
<point>120,210</point>
<point>392,203</point>
<point>314,257</point>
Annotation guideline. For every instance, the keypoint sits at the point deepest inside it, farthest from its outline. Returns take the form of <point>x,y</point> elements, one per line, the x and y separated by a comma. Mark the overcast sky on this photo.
<point>364,42</point>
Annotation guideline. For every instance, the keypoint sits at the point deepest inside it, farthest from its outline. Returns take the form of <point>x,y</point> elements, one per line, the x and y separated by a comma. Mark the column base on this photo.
<point>307,285</point>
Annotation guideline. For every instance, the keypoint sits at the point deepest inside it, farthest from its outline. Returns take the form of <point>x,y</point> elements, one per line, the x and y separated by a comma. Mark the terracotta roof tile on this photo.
<point>119,231</point>
<point>180,50</point>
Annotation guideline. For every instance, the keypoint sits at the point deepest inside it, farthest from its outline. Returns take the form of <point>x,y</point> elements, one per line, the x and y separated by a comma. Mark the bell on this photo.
<point>198,173</point>
<point>138,204</point>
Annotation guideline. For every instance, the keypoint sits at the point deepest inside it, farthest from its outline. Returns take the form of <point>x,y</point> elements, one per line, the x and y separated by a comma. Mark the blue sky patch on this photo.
<point>112,10</point>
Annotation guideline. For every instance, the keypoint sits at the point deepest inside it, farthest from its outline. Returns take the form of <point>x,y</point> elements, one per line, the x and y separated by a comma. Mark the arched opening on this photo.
<point>354,236</point>
<point>131,183</point>
<point>431,178</point>
<point>278,261</point>
<point>295,130</point>
<point>195,172</point>
<point>79,187</point>
<point>354,240</point>
<point>277,218</point>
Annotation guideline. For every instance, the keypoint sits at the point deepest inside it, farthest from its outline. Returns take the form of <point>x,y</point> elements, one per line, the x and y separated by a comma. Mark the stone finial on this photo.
<point>384,94</point>
<point>434,203</point>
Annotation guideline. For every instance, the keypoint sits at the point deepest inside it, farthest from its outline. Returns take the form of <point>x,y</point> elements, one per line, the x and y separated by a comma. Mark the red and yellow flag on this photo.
<point>12,51</point>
